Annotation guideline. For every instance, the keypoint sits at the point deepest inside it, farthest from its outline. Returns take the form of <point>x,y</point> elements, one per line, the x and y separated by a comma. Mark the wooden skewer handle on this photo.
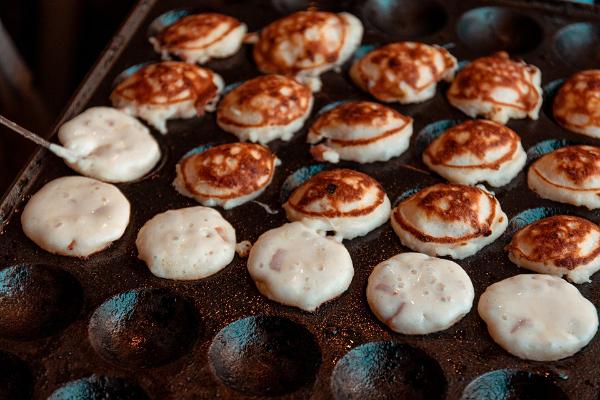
<point>56,149</point>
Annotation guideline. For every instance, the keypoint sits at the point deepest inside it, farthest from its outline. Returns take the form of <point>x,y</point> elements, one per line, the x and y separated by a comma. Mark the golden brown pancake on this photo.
<point>568,175</point>
<point>406,72</point>
<point>307,43</point>
<point>476,151</point>
<point>558,245</point>
<point>184,33</point>
<point>265,108</point>
<point>449,220</point>
<point>226,175</point>
<point>577,103</point>
<point>497,88</point>
<point>360,131</point>
<point>342,200</point>
<point>168,89</point>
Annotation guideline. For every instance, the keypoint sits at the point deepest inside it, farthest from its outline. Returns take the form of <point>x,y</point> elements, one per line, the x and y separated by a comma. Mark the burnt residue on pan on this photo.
<point>105,327</point>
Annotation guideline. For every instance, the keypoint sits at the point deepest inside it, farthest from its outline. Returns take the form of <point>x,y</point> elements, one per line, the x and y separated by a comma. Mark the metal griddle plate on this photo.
<point>163,350</point>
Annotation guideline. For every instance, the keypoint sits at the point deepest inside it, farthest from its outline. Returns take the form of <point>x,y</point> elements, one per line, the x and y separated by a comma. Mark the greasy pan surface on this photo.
<point>109,316</point>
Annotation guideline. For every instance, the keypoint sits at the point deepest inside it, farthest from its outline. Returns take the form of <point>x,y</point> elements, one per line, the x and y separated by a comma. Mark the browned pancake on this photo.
<point>555,240</point>
<point>477,137</point>
<point>397,60</point>
<point>190,28</point>
<point>235,169</point>
<point>450,203</point>
<point>278,99</point>
<point>166,83</point>
<point>333,190</point>
<point>575,166</point>
<point>479,79</point>
<point>310,52</point>
<point>580,94</point>
<point>357,113</point>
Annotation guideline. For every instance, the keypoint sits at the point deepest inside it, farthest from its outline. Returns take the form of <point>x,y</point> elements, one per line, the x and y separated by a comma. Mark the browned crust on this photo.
<point>478,80</point>
<point>158,85</point>
<point>483,136</point>
<point>359,113</point>
<point>555,240</point>
<point>333,185</point>
<point>193,27</point>
<point>289,107</point>
<point>577,163</point>
<point>254,162</point>
<point>461,200</point>
<point>399,59</point>
<point>580,94</point>
<point>265,50</point>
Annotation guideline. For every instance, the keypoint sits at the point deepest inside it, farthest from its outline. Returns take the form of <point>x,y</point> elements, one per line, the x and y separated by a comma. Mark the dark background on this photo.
<point>58,41</point>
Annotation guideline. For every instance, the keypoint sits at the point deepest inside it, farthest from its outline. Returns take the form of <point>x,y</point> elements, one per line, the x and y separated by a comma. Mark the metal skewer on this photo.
<point>60,151</point>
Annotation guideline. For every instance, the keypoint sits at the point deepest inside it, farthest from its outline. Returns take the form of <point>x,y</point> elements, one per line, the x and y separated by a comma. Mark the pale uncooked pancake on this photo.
<point>577,104</point>
<point>477,151</point>
<point>344,201</point>
<point>360,131</point>
<point>559,245</point>
<point>404,72</point>
<point>75,216</point>
<point>113,146</point>
<point>185,244</point>
<point>415,294</point>
<point>449,220</point>
<point>538,317</point>
<point>295,266</point>
<point>166,90</point>
<point>568,175</point>
<point>497,88</point>
<point>201,37</point>
<point>226,175</point>
<point>265,108</point>
<point>307,43</point>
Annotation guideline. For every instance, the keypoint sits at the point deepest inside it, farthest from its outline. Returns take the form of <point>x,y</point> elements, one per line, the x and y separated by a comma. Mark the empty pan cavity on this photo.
<point>37,301</point>
<point>265,356</point>
<point>406,19</point>
<point>576,45</point>
<point>513,384</point>
<point>488,29</point>
<point>289,6</point>
<point>99,387</point>
<point>388,370</point>
<point>144,327</point>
